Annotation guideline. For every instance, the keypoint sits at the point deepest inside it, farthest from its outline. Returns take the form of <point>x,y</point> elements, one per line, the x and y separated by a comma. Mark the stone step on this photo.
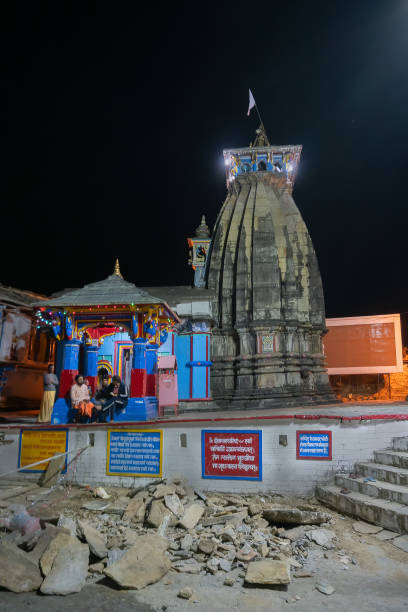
<point>392,457</point>
<point>400,444</point>
<point>388,473</point>
<point>390,515</point>
<point>379,489</point>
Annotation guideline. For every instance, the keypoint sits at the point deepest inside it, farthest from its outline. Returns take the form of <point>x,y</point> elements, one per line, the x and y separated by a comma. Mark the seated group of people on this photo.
<point>108,399</point>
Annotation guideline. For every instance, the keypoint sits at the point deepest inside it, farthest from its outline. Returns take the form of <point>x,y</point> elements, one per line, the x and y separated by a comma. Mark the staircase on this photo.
<point>382,501</point>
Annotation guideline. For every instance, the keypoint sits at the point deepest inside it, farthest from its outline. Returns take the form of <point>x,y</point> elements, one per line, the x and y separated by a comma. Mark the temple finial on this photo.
<point>116,270</point>
<point>261,139</point>
<point>202,230</point>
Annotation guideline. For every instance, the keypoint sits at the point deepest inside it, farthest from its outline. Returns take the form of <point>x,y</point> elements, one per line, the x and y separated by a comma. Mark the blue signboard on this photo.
<point>133,452</point>
<point>314,445</point>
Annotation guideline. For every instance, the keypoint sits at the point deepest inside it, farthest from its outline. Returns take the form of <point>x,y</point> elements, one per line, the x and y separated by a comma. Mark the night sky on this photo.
<point>115,121</point>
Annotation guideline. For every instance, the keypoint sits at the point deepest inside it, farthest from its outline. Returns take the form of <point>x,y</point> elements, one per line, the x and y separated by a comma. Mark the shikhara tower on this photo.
<point>268,307</point>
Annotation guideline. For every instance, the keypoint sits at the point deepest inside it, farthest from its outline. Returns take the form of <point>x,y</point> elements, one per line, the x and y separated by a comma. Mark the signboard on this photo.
<point>36,445</point>
<point>231,455</point>
<point>314,445</point>
<point>364,345</point>
<point>134,452</point>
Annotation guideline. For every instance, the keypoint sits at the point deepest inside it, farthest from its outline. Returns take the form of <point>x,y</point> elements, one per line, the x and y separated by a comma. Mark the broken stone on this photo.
<point>295,534</point>
<point>114,542</point>
<point>96,506</point>
<point>185,593</point>
<point>206,546</point>
<point>322,537</point>
<point>191,516</point>
<point>225,565</point>
<point>303,575</point>
<point>58,543</point>
<point>268,572</point>
<point>229,582</point>
<point>294,516</point>
<point>69,570</point>
<point>67,523</point>
<point>213,564</point>
<point>255,509</point>
<point>235,519</point>
<point>362,527</point>
<point>135,510</point>
<point>188,566</point>
<point>228,534</point>
<point>263,549</point>
<point>18,573</point>
<point>386,535</point>
<point>42,543</point>
<point>114,555</point>
<point>163,490</point>
<point>246,553</point>
<point>97,568</point>
<point>186,542</point>
<point>96,541</point>
<point>325,588</point>
<point>174,504</point>
<point>157,513</point>
<point>143,564</point>
<point>401,542</point>
<point>53,472</point>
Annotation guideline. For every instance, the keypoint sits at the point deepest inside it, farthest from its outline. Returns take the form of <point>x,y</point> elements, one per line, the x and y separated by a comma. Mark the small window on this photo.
<point>183,440</point>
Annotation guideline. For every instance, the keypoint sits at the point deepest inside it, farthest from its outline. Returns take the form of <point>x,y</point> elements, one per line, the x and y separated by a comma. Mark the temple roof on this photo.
<point>19,297</point>
<point>112,290</point>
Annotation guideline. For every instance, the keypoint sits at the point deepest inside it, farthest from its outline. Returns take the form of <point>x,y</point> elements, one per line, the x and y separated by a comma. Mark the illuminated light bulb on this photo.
<point>290,167</point>
<point>227,161</point>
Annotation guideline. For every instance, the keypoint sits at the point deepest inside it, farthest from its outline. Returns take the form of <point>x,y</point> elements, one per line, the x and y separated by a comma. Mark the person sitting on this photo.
<point>85,410</point>
<point>117,399</point>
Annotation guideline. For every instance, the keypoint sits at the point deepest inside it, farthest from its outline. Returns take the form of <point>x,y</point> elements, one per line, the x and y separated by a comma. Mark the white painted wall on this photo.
<point>352,441</point>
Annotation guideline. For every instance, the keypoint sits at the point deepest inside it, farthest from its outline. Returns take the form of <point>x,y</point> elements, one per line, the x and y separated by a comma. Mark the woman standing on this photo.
<point>50,386</point>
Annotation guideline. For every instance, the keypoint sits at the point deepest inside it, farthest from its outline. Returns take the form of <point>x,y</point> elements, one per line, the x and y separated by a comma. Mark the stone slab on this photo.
<point>69,570</point>
<point>366,528</point>
<point>401,542</point>
<point>143,564</point>
<point>268,572</point>
<point>18,573</point>
<point>386,535</point>
<point>191,516</point>
<point>60,541</point>
<point>96,541</point>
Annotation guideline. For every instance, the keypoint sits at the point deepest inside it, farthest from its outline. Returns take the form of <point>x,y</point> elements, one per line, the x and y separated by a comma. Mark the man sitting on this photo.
<point>81,401</point>
<point>113,397</point>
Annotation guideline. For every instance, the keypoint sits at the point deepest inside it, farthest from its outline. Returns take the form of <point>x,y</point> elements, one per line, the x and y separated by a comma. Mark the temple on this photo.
<point>98,328</point>
<point>268,303</point>
<point>247,334</point>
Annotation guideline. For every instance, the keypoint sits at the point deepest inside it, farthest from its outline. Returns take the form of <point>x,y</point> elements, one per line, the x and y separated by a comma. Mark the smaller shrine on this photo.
<point>108,328</point>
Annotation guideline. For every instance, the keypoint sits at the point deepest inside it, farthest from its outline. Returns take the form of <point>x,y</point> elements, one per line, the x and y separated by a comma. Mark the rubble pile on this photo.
<point>134,539</point>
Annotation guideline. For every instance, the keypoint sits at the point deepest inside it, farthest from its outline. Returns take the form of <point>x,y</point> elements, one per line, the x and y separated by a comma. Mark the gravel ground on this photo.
<point>377,581</point>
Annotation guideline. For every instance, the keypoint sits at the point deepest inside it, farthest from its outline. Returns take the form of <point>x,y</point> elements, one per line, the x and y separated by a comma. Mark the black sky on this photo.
<point>115,120</point>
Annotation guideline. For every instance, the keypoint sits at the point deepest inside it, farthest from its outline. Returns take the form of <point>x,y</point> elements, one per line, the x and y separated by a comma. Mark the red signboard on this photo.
<point>232,454</point>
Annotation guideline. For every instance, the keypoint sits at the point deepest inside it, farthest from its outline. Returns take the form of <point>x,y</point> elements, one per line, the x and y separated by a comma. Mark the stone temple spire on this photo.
<point>268,303</point>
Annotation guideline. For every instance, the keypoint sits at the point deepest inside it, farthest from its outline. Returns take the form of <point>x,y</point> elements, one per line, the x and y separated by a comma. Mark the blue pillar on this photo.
<point>70,355</point>
<point>91,365</point>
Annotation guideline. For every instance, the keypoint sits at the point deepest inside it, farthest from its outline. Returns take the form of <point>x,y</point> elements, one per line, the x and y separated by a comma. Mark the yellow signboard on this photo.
<point>36,445</point>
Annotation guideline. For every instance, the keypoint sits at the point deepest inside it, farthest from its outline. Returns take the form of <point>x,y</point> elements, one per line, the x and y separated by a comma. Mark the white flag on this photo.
<point>251,102</point>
